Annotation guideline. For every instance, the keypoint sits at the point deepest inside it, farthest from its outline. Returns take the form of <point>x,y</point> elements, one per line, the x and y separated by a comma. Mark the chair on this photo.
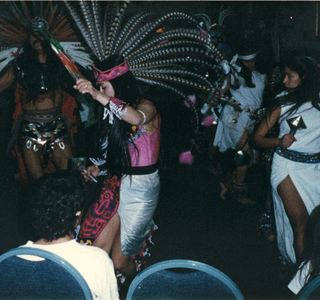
<point>311,290</point>
<point>182,279</point>
<point>50,278</point>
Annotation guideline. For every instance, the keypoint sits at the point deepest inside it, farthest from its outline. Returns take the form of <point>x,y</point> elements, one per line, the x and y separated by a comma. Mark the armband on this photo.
<point>115,107</point>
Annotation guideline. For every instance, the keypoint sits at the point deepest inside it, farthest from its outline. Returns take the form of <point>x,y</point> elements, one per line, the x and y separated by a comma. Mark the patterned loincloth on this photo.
<point>101,211</point>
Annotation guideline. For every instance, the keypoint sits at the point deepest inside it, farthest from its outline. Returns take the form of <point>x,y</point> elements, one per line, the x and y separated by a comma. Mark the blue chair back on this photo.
<point>182,279</point>
<point>51,278</point>
<point>311,290</point>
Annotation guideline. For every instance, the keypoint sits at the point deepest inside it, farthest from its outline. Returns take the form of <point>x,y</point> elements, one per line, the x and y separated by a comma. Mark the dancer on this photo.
<point>295,167</point>
<point>130,146</point>
<point>143,51</point>
<point>44,95</point>
<point>235,126</point>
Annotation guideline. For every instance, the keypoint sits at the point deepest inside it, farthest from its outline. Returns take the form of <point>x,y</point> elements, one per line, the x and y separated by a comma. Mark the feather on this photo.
<point>6,56</point>
<point>81,26</point>
<point>186,158</point>
<point>224,13</point>
<point>77,53</point>
<point>206,19</point>
<point>90,25</point>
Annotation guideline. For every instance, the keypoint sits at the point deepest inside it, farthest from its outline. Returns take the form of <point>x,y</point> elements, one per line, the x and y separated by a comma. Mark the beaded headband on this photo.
<point>115,72</point>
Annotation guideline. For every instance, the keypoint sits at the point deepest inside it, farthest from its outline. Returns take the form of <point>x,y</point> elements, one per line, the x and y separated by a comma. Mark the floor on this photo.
<point>193,223</point>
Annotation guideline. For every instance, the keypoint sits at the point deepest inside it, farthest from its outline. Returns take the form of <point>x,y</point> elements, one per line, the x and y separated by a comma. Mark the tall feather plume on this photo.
<point>81,25</point>
<point>115,29</point>
<point>224,13</point>
<point>15,19</point>
<point>97,22</point>
<point>166,51</point>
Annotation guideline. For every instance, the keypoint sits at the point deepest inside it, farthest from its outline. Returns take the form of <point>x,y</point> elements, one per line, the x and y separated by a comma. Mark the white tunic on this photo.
<point>305,176</point>
<point>228,132</point>
<point>93,263</point>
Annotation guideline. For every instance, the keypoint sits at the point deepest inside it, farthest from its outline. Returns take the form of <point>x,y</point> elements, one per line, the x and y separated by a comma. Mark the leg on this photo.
<point>124,264</point>
<point>31,160</point>
<point>110,240</point>
<point>60,156</point>
<point>296,212</point>
<point>241,171</point>
<point>106,238</point>
<point>237,187</point>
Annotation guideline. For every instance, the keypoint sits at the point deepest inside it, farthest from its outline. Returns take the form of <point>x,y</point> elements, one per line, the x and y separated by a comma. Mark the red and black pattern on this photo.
<point>101,211</point>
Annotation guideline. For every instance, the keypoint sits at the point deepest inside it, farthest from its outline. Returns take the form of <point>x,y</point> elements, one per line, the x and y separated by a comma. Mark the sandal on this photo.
<point>266,227</point>
<point>240,193</point>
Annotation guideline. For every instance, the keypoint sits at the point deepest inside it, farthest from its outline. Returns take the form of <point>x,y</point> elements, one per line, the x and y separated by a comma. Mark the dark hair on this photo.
<point>56,198</point>
<point>244,50</point>
<point>119,133</point>
<point>29,63</point>
<point>308,89</point>
<point>311,245</point>
<point>246,74</point>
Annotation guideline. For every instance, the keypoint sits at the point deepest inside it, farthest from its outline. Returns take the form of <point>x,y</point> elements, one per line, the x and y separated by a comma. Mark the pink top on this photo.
<point>148,146</point>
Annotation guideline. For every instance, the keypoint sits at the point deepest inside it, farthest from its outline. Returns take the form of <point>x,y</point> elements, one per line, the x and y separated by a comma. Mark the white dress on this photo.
<point>229,132</point>
<point>305,176</point>
<point>299,280</point>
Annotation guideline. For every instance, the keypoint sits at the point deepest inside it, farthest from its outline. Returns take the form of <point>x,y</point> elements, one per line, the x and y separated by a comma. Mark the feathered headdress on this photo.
<point>15,21</point>
<point>167,51</point>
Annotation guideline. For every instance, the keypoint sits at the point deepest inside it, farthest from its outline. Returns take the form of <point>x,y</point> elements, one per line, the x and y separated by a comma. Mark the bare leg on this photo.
<point>109,240</point>
<point>60,156</point>
<point>32,161</point>
<point>296,212</point>
<point>106,238</point>
<point>238,187</point>
<point>124,264</point>
<point>241,171</point>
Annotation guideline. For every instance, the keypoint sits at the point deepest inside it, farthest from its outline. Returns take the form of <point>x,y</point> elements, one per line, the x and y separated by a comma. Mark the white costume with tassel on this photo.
<point>232,123</point>
<point>305,176</point>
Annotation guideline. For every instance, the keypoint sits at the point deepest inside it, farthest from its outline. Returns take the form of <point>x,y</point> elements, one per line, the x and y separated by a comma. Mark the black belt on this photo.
<point>299,156</point>
<point>139,170</point>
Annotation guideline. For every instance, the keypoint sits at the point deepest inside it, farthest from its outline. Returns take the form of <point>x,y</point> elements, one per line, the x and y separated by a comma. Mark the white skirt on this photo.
<point>306,179</point>
<point>228,132</point>
<point>139,196</point>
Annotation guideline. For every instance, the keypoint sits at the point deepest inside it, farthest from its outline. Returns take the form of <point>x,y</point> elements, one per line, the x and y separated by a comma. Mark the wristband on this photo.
<point>115,107</point>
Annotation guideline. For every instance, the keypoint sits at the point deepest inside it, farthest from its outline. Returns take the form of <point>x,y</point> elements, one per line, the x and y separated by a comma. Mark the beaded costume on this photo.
<point>41,130</point>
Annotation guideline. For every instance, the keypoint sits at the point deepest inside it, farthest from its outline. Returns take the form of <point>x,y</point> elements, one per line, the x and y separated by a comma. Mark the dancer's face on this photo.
<point>36,41</point>
<point>291,79</point>
<point>107,88</point>
<point>250,63</point>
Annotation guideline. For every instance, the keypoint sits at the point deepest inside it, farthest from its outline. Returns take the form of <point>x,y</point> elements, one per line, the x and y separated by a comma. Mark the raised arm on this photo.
<point>144,113</point>
<point>7,79</point>
<point>260,140</point>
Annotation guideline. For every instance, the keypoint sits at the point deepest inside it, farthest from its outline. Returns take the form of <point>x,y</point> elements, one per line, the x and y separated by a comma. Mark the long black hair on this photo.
<point>307,90</point>
<point>119,133</point>
<point>28,63</point>
<point>245,72</point>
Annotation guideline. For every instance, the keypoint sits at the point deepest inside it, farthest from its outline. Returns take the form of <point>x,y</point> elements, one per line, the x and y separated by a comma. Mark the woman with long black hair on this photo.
<point>295,173</point>
<point>121,219</point>
<point>235,126</point>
